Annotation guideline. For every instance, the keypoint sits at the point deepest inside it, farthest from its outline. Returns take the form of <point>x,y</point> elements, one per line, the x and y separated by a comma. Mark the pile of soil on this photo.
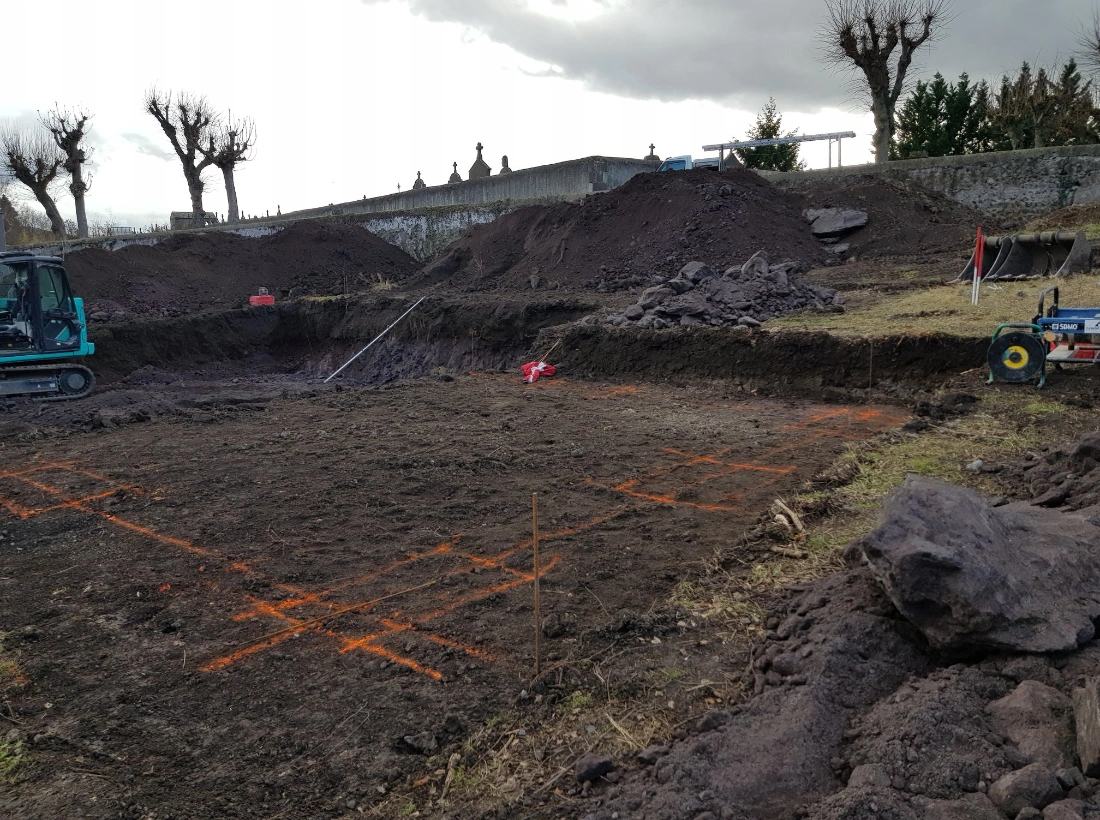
<point>194,272</point>
<point>853,717</point>
<point>1065,476</point>
<point>1072,218</point>
<point>903,220</point>
<point>652,225</point>
<point>744,295</point>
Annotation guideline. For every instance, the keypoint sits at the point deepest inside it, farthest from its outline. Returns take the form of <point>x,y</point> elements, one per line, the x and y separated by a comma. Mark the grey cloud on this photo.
<point>740,53</point>
<point>145,145</point>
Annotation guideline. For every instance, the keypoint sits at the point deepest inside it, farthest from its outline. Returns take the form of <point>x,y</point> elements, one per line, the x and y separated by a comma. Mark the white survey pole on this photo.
<point>375,339</point>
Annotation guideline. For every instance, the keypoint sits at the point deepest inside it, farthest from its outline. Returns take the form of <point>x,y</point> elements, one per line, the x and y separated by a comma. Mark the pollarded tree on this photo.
<point>231,145</point>
<point>69,128</point>
<point>769,125</point>
<point>34,160</point>
<point>189,123</point>
<point>864,34</point>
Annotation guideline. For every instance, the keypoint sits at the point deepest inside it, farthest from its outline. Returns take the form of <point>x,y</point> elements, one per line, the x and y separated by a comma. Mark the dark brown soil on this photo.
<point>1071,218</point>
<point>193,272</point>
<point>903,219</point>
<point>652,225</point>
<point>289,607</point>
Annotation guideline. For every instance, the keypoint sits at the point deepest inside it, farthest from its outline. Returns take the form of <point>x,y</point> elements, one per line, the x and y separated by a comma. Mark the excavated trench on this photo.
<point>155,367</point>
<point>313,337</point>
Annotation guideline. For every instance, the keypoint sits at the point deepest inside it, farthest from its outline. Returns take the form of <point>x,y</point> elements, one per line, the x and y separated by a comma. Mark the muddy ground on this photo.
<point>241,610</point>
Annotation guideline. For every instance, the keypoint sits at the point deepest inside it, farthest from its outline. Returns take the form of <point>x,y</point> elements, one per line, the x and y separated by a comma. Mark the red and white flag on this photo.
<point>533,370</point>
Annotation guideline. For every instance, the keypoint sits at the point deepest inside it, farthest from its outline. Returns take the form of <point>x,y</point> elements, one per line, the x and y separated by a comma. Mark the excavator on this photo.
<point>43,332</point>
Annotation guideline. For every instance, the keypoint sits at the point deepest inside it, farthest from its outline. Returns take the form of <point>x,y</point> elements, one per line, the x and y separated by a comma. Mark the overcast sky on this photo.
<point>353,97</point>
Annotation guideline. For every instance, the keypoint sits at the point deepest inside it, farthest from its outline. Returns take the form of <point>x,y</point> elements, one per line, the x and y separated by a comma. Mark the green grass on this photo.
<point>11,756</point>
<point>941,309</point>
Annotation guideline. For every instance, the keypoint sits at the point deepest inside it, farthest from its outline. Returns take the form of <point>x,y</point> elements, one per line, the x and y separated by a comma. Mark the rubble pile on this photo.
<point>747,296</point>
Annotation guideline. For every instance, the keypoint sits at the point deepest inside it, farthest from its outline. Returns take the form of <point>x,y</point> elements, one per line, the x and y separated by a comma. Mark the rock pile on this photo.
<point>747,296</point>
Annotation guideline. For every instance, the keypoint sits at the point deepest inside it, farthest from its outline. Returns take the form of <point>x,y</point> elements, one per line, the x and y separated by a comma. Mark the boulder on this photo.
<point>1065,810</point>
<point>869,774</point>
<point>1039,720</point>
<point>748,321</point>
<point>696,272</point>
<point>834,221</point>
<point>651,297</point>
<point>1032,786</point>
<point>680,285</point>
<point>634,312</point>
<point>1086,713</point>
<point>972,576</point>
<point>756,266</point>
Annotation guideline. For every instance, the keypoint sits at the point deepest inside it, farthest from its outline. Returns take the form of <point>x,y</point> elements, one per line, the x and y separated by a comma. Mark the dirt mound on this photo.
<point>652,225</point>
<point>1066,476</point>
<point>903,220</point>
<point>194,272</point>
<point>1073,218</point>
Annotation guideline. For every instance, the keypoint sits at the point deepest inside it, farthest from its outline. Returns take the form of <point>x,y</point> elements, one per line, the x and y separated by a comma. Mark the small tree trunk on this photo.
<point>77,187</point>
<point>231,194</point>
<point>884,125</point>
<point>57,224</point>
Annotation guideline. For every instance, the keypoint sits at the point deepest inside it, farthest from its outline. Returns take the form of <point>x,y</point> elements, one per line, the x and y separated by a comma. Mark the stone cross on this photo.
<point>479,146</point>
<point>651,147</point>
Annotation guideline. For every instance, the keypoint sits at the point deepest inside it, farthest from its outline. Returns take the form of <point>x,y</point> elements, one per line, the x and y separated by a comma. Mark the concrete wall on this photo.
<point>1013,186</point>
<point>546,183</point>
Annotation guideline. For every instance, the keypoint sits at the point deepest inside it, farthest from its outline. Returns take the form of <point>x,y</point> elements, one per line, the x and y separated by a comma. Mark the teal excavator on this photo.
<point>43,333</point>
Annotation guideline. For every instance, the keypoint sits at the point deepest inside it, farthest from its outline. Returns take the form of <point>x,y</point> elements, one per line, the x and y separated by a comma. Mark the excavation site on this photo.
<point>702,497</point>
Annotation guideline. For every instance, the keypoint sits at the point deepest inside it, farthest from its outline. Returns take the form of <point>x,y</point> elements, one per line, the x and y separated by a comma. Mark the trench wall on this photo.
<point>1013,186</point>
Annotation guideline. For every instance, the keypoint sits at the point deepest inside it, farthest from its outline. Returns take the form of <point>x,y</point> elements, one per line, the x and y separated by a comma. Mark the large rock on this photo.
<point>969,575</point>
<point>1086,713</point>
<point>1033,786</point>
<point>1039,720</point>
<point>834,221</point>
<point>696,272</point>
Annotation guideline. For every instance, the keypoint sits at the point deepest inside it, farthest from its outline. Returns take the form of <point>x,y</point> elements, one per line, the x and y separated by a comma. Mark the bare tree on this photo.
<point>189,123</point>
<point>231,145</point>
<point>69,128</point>
<point>1089,42</point>
<point>865,33</point>
<point>34,159</point>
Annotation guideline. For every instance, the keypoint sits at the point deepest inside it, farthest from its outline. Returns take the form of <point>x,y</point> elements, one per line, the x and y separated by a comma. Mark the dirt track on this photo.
<point>241,613</point>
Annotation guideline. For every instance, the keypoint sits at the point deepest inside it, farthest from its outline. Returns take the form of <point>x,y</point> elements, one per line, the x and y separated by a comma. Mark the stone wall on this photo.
<point>1013,186</point>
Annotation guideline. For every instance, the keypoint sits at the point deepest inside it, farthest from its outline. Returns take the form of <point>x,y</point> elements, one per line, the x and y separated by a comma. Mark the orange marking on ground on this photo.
<point>164,587</point>
<point>167,539</point>
<point>393,657</point>
<point>469,650</point>
<point>16,509</point>
<point>563,533</point>
<point>225,660</point>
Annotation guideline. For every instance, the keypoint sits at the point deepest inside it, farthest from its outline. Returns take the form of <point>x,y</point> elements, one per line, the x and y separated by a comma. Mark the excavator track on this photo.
<point>46,382</point>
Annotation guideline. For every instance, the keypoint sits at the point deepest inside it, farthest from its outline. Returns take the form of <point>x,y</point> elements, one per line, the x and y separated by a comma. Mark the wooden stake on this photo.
<point>535,542</point>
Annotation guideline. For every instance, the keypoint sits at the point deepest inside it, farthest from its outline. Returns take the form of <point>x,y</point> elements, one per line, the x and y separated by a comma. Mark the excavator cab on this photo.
<point>42,327</point>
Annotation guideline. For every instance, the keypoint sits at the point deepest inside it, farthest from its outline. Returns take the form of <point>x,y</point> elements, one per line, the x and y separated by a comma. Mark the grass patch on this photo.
<point>11,756</point>
<point>941,309</point>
